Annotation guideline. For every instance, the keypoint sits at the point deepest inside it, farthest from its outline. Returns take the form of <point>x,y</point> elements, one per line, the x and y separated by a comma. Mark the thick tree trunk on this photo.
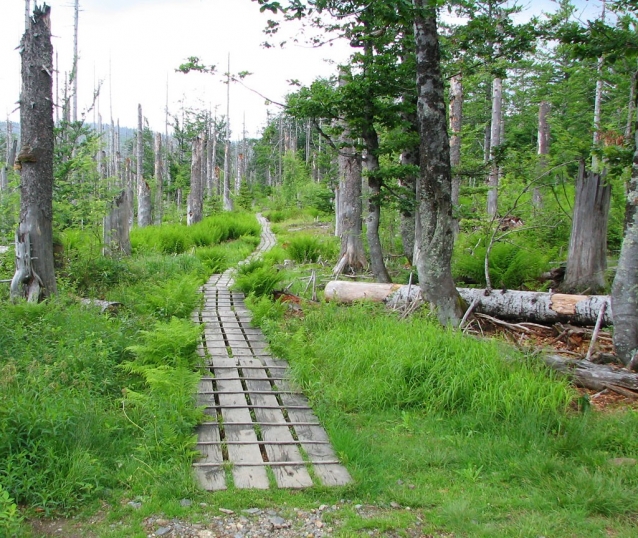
<point>495,141</point>
<point>196,196</point>
<point>587,257</point>
<point>435,241</point>
<point>159,194</point>
<point>514,305</point>
<point>116,227</point>
<point>143,189</point>
<point>352,256</point>
<point>348,204</point>
<point>34,238</point>
<point>624,294</point>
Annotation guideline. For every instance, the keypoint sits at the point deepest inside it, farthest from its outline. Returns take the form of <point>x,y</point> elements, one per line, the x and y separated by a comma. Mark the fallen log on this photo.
<point>595,376</point>
<point>537,307</point>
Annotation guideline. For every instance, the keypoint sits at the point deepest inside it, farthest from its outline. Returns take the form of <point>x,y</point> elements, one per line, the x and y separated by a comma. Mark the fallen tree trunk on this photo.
<point>537,307</point>
<point>595,376</point>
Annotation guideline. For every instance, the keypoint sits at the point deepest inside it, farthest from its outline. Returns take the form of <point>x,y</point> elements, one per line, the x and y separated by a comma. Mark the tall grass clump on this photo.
<point>257,278</point>
<point>305,248</point>
<point>279,215</point>
<point>178,238</point>
<point>360,358</point>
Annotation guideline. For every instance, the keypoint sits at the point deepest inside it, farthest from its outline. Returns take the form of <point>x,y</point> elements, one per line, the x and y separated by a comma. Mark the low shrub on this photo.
<point>10,518</point>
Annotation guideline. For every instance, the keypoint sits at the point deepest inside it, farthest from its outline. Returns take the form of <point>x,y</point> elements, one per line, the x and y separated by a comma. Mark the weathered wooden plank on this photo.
<point>329,474</point>
<point>210,478</point>
<point>266,412</point>
<point>246,476</point>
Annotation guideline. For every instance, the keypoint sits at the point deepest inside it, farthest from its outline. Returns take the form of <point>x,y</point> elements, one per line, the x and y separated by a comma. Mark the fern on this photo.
<point>173,343</point>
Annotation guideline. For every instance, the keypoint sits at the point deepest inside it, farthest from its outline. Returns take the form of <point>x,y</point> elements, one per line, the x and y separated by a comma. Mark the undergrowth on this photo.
<point>100,407</point>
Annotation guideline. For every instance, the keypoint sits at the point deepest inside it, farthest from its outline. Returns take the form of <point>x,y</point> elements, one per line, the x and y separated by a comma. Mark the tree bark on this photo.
<point>624,293</point>
<point>538,307</point>
<point>495,141</point>
<point>592,376</point>
<point>348,206</point>
<point>407,225</point>
<point>373,220</point>
<point>196,195</point>
<point>456,121</point>
<point>159,195</point>
<point>116,227</point>
<point>143,189</point>
<point>435,240</point>
<point>352,256</point>
<point>543,149</point>
<point>34,238</point>
<point>587,257</point>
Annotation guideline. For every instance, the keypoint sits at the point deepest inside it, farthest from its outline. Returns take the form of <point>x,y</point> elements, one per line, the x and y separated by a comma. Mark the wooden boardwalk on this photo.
<point>260,433</point>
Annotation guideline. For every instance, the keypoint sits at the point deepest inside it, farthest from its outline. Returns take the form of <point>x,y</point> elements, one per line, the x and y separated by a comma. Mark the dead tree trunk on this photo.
<point>143,189</point>
<point>35,276</point>
<point>456,121</point>
<point>624,294</point>
<point>587,257</point>
<point>116,227</point>
<point>435,240</point>
<point>495,141</point>
<point>538,307</point>
<point>228,201</point>
<point>196,195</point>
<point>159,194</point>
<point>543,149</point>
<point>11,149</point>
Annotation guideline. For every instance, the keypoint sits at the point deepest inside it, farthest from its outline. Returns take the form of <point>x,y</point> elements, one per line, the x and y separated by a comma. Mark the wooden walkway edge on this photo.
<point>261,432</point>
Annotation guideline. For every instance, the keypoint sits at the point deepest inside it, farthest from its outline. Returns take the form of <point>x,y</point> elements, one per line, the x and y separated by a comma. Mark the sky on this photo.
<point>134,46</point>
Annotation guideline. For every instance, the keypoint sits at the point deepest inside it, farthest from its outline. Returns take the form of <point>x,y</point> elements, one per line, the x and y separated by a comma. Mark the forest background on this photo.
<point>546,105</point>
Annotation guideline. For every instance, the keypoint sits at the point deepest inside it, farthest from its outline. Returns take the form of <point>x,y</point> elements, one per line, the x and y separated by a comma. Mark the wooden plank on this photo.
<point>266,412</point>
<point>330,474</point>
<point>210,479</point>
<point>246,476</point>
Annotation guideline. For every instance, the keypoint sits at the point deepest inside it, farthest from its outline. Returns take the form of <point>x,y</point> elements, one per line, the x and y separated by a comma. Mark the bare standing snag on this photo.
<point>34,278</point>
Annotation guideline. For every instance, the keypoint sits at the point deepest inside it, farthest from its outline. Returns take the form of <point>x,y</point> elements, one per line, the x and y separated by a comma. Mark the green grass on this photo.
<point>475,438</point>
